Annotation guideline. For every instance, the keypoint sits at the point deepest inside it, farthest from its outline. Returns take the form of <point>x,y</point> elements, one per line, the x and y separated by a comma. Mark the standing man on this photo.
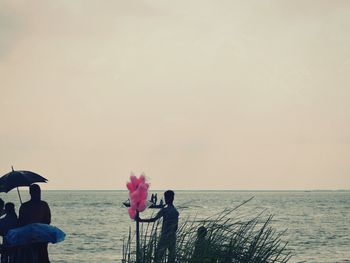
<point>169,227</point>
<point>36,211</point>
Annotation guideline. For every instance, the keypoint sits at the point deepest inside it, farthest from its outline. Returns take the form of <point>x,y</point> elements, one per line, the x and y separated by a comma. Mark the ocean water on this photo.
<point>317,223</point>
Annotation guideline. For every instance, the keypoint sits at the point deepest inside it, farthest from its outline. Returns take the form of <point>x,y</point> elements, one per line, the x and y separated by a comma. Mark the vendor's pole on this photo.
<point>138,260</point>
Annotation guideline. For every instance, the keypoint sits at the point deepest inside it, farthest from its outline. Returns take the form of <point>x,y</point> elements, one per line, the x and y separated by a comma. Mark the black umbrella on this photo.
<point>14,179</point>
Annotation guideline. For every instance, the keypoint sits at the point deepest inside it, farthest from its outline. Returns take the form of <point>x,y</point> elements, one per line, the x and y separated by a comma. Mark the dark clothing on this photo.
<point>7,223</point>
<point>168,234</point>
<point>34,253</point>
<point>166,242</point>
<point>201,251</point>
<point>170,220</point>
<point>35,211</point>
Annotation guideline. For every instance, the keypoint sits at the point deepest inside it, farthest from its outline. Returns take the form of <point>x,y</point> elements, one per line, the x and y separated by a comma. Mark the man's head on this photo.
<point>35,192</point>
<point>10,208</point>
<point>202,232</point>
<point>169,197</point>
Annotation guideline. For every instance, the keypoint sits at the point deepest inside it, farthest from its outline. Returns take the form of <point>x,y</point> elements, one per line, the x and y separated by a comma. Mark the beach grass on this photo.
<point>231,237</point>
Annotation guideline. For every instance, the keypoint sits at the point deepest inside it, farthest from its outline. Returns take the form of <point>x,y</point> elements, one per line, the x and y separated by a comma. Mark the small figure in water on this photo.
<point>169,227</point>
<point>8,222</point>
<point>152,199</point>
<point>201,247</point>
<point>161,202</point>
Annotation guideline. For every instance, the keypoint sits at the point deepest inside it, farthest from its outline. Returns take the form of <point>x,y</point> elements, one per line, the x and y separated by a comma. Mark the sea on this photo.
<point>317,223</point>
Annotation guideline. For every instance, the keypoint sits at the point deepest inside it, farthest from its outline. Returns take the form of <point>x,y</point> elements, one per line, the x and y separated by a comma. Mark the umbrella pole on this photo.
<point>20,199</point>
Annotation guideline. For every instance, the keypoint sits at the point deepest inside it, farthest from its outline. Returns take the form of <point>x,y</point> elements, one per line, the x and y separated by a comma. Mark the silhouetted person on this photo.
<point>36,211</point>
<point>7,223</point>
<point>152,198</point>
<point>201,248</point>
<point>169,227</point>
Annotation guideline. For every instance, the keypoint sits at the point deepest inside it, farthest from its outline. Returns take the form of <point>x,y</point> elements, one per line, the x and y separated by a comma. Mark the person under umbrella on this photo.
<point>15,179</point>
<point>35,211</point>
<point>8,222</point>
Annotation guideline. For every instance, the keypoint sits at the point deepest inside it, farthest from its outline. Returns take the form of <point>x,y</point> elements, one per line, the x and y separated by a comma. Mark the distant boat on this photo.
<point>127,204</point>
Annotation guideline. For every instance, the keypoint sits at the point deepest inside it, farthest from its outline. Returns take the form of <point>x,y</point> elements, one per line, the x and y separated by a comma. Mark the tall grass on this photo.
<point>231,237</point>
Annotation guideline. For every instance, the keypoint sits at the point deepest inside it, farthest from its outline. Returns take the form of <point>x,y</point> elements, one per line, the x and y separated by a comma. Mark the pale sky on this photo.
<point>197,94</point>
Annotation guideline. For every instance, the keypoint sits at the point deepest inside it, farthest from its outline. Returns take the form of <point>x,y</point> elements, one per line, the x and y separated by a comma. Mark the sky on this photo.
<point>196,94</point>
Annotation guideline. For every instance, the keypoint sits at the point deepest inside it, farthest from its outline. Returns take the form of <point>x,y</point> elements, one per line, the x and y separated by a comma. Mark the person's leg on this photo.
<point>42,252</point>
<point>172,247</point>
<point>30,254</point>
<point>12,257</point>
<point>4,257</point>
<point>19,255</point>
<point>160,250</point>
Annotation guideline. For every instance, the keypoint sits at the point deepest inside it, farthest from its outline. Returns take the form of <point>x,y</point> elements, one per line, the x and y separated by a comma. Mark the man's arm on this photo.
<point>150,220</point>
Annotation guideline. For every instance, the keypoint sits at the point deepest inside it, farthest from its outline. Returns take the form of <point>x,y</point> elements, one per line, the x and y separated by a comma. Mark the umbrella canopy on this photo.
<point>34,233</point>
<point>15,179</point>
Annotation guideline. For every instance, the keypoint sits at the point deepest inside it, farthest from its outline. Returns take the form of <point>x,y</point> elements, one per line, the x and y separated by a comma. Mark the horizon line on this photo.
<point>211,190</point>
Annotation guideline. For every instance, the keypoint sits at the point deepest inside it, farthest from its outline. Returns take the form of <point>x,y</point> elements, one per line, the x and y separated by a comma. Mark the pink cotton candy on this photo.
<point>132,213</point>
<point>142,207</point>
<point>143,196</point>
<point>134,196</point>
<point>142,179</point>
<point>130,187</point>
<point>133,205</point>
<point>134,181</point>
<point>138,191</point>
